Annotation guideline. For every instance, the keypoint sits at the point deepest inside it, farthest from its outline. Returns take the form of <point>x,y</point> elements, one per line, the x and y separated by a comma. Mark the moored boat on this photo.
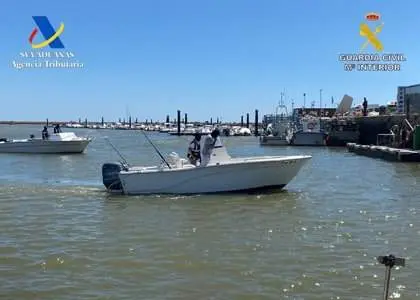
<point>278,127</point>
<point>307,133</point>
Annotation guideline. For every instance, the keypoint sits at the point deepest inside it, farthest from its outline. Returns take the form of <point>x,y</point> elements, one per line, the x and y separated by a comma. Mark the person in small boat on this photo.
<point>269,130</point>
<point>194,150</point>
<point>57,128</point>
<point>208,146</point>
<point>45,133</point>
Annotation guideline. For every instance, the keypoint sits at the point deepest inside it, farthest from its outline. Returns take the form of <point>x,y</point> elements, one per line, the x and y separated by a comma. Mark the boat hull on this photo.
<point>341,139</point>
<point>235,176</point>
<point>45,147</point>
<point>273,141</point>
<point>308,139</point>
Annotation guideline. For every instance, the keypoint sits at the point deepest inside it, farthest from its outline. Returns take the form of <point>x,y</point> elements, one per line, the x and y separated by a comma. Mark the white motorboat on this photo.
<point>64,142</point>
<point>222,174</point>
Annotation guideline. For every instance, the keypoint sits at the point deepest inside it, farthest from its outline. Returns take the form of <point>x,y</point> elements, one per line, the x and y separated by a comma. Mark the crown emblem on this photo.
<point>372,16</point>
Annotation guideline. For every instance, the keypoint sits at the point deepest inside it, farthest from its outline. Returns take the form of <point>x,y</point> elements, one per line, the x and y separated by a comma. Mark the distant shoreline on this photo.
<point>31,122</point>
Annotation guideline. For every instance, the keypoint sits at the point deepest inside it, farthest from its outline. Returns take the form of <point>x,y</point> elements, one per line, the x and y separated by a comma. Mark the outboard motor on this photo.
<point>110,176</point>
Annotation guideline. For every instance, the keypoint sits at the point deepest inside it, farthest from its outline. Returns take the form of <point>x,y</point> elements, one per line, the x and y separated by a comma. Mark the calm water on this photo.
<point>63,237</point>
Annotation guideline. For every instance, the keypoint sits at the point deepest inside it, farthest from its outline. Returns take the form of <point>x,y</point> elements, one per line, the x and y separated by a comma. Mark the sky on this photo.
<point>219,58</point>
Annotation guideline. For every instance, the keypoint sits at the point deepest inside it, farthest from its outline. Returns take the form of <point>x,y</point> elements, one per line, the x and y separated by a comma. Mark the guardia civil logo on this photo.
<point>371,55</point>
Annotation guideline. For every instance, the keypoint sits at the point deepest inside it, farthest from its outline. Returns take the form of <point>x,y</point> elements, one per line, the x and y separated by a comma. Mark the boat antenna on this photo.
<point>157,150</point>
<point>118,152</point>
<point>389,262</point>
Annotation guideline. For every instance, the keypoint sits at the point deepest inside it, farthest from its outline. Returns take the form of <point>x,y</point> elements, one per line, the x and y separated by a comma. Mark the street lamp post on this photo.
<point>320,100</point>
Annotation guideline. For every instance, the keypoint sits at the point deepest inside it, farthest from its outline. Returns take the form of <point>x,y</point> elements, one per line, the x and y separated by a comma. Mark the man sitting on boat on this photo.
<point>208,146</point>
<point>45,133</point>
<point>194,149</point>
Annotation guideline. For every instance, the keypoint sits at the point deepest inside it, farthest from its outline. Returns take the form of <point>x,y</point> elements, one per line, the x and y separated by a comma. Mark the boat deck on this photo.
<point>386,153</point>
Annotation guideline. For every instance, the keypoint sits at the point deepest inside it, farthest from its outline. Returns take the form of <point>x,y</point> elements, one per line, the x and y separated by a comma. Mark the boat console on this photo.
<point>63,136</point>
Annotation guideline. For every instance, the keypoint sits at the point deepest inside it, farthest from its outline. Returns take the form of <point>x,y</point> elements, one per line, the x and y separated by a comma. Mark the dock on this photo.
<point>386,153</point>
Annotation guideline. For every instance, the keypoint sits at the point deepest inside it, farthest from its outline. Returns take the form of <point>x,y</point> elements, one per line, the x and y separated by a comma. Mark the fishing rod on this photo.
<point>157,150</point>
<point>118,152</point>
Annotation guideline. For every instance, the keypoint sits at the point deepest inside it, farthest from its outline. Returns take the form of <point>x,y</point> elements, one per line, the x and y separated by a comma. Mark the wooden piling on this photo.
<point>178,121</point>
<point>247,120</point>
<point>129,122</point>
<point>167,119</point>
<point>86,123</point>
<point>47,122</point>
<point>185,119</point>
<point>211,121</point>
<point>256,122</point>
<point>102,121</point>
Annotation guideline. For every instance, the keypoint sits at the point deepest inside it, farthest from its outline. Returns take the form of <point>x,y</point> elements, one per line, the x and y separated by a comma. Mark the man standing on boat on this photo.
<point>57,128</point>
<point>208,146</point>
<point>194,149</point>
<point>45,133</point>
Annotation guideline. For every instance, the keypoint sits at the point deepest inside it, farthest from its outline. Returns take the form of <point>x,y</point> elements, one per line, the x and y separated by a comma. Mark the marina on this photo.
<point>58,220</point>
<point>198,150</point>
<point>138,189</point>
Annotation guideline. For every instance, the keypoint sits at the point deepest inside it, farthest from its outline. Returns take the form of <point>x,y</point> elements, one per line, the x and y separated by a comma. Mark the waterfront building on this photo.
<point>408,99</point>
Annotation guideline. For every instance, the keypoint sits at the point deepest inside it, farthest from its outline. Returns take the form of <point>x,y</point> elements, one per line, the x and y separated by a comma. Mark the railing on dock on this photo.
<point>385,139</point>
